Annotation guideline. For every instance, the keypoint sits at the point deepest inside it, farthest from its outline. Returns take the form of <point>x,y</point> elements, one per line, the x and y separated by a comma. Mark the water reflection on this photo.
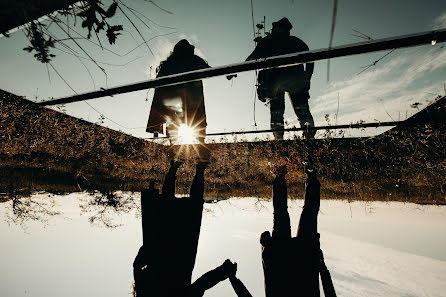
<point>374,249</point>
<point>103,208</point>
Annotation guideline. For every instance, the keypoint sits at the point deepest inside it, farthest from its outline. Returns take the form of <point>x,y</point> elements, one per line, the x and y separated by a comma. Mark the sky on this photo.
<point>222,32</point>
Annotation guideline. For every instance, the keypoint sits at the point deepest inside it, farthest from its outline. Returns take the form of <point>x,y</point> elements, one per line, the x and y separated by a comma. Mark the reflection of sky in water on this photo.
<point>175,104</point>
<point>374,249</point>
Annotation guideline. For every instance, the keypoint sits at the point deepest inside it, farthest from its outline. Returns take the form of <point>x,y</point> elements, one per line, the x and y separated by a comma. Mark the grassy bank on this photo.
<point>42,149</point>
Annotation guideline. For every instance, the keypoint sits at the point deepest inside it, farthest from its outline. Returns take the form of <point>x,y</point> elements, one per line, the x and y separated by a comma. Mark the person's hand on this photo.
<point>230,268</point>
<point>310,173</point>
<point>265,238</point>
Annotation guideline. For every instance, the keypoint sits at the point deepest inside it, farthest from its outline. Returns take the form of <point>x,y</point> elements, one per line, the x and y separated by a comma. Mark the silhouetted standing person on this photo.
<point>292,264</point>
<point>182,103</point>
<point>295,80</point>
<point>171,230</point>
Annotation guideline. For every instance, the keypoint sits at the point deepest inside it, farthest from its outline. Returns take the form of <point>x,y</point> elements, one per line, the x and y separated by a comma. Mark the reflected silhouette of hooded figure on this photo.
<point>292,265</point>
<point>295,80</point>
<point>182,103</point>
<point>171,229</point>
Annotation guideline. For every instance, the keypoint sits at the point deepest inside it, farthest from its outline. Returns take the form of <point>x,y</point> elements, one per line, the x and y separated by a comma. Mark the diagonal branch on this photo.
<point>136,28</point>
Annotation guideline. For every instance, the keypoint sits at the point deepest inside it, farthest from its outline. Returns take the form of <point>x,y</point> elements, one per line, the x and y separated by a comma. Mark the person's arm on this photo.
<point>301,46</point>
<point>239,287</point>
<point>213,277</point>
<point>308,219</point>
<point>309,67</point>
<point>259,51</point>
<point>281,227</point>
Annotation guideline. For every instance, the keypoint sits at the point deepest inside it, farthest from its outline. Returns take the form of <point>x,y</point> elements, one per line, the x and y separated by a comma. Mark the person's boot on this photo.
<point>203,153</point>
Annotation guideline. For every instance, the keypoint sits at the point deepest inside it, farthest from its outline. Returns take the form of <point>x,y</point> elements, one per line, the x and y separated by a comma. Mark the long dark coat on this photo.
<point>178,104</point>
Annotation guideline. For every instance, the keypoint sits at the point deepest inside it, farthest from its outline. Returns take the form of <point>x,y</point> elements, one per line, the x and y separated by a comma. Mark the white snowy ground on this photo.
<point>375,249</point>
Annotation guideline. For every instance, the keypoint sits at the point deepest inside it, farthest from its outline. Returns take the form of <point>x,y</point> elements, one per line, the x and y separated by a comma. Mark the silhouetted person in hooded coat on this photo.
<point>171,229</point>
<point>292,264</point>
<point>295,80</point>
<point>182,103</point>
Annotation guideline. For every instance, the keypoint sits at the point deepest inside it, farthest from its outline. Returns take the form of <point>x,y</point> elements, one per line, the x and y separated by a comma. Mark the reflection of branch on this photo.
<point>27,209</point>
<point>132,11</point>
<point>89,40</point>
<point>150,20</point>
<point>333,25</point>
<point>94,17</point>
<point>375,62</point>
<point>141,44</point>
<point>61,77</point>
<point>385,109</point>
<point>107,205</point>
<point>362,35</point>
<point>88,55</point>
<point>368,38</point>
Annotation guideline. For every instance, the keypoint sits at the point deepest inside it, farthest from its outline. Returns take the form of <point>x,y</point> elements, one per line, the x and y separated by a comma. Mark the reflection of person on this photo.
<point>273,83</point>
<point>182,103</point>
<point>171,229</point>
<point>292,265</point>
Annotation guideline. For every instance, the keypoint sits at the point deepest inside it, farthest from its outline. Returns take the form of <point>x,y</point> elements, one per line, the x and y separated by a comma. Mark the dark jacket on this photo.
<point>291,79</point>
<point>291,264</point>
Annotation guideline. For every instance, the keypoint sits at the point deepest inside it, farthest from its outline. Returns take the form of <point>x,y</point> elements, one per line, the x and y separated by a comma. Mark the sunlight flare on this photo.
<point>186,134</point>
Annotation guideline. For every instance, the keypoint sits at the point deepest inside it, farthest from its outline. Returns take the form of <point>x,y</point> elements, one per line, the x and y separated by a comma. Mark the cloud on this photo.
<point>163,48</point>
<point>386,91</point>
<point>440,21</point>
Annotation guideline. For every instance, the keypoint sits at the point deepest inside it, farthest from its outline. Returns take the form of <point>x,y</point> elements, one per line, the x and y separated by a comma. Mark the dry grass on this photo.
<point>41,149</point>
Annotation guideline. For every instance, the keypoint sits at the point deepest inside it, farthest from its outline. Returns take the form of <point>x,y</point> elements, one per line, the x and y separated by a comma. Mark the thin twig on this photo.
<point>150,20</point>
<point>386,109</point>
<point>141,44</point>
<point>131,10</point>
<point>165,10</point>
<point>61,77</point>
<point>102,69</point>
<point>91,41</point>
<point>362,35</point>
<point>337,110</point>
<point>100,62</point>
<point>136,28</point>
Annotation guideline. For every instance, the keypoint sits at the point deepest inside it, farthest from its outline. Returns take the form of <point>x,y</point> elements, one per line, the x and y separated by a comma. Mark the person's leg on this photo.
<point>281,228</point>
<point>299,100</point>
<point>277,109</point>
<point>197,187</point>
<point>169,181</point>
<point>191,213</point>
<point>308,219</point>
